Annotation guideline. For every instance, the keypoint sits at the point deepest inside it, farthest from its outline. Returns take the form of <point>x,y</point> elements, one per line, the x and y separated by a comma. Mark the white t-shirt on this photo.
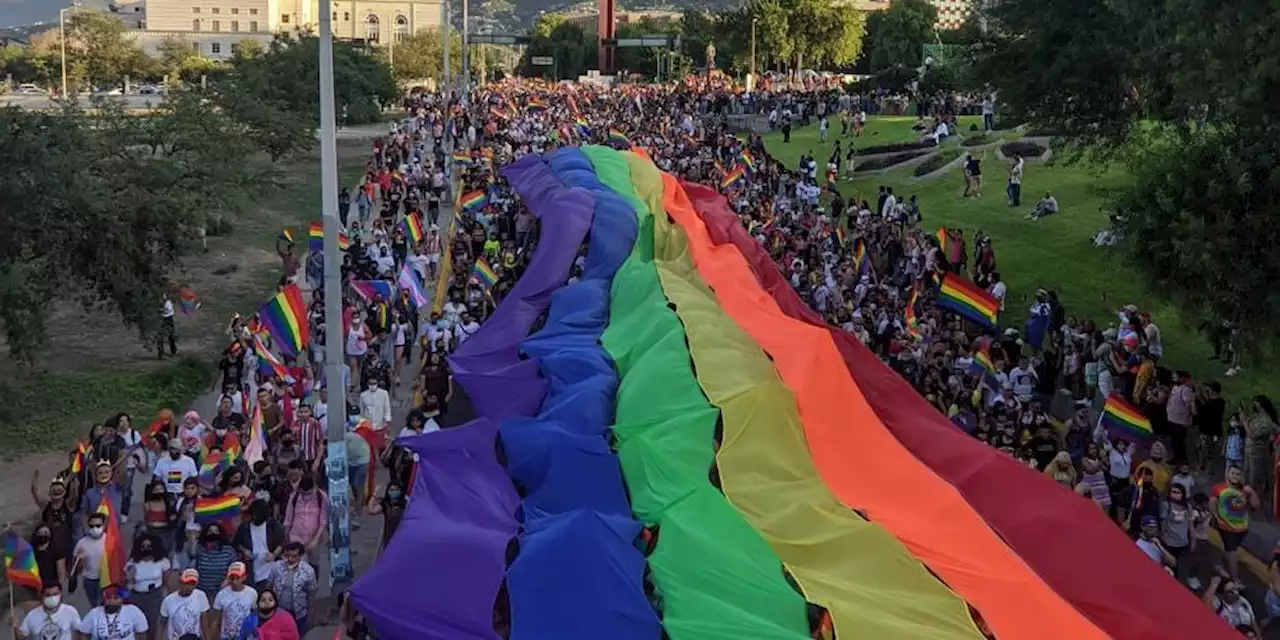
<point>235,607</point>
<point>183,613</point>
<point>125,624</point>
<point>175,472</point>
<point>93,548</point>
<point>148,575</point>
<point>42,625</point>
<point>258,537</point>
<point>1151,549</point>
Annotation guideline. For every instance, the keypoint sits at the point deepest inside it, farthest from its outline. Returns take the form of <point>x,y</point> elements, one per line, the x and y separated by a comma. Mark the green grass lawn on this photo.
<point>880,130</point>
<point>1054,253</point>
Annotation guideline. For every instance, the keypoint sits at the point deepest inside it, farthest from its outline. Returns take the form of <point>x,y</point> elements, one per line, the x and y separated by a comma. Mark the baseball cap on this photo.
<point>190,576</point>
<point>1150,520</point>
<point>236,570</point>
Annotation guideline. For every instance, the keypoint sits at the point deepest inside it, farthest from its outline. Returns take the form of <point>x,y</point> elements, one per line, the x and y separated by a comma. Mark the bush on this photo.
<point>1024,148</point>
<point>939,160</point>
<point>976,141</point>
<point>875,164</point>
<point>895,148</point>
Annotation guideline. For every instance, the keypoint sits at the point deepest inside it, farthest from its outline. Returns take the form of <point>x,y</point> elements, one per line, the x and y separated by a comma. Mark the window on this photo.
<point>195,24</point>
<point>284,19</point>
<point>215,48</point>
<point>215,11</point>
<point>195,9</point>
<point>346,16</point>
<point>235,26</point>
<point>235,12</point>
<point>217,25</point>
<point>253,26</point>
<point>253,12</point>
<point>335,16</point>
<point>402,29</point>
<point>372,29</point>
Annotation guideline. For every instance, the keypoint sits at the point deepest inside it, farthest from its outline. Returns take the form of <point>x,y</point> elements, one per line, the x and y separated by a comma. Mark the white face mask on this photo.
<point>52,602</point>
<point>95,532</point>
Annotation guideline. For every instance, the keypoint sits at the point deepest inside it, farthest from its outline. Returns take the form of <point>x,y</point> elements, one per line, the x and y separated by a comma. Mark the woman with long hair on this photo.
<point>146,573</point>
<point>269,622</point>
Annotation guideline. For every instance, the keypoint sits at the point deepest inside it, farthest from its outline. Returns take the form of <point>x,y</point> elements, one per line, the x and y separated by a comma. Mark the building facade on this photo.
<point>952,13</point>
<point>215,27</point>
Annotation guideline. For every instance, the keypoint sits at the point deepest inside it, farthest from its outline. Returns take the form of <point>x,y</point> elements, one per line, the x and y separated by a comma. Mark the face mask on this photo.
<point>266,611</point>
<point>40,539</point>
<point>394,494</point>
<point>52,602</point>
<point>174,455</point>
<point>146,551</point>
<point>220,432</point>
<point>112,608</point>
<point>95,532</point>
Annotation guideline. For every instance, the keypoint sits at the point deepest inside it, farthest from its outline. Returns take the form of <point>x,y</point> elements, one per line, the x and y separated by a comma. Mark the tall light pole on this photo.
<point>754,22</point>
<point>335,361</point>
<point>466,52</point>
<point>446,33</point>
<point>62,38</point>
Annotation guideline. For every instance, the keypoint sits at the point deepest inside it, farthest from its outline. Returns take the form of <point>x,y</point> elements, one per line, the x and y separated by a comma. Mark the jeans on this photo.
<point>988,121</point>
<point>92,591</point>
<point>126,492</point>
<point>1015,194</point>
<point>358,475</point>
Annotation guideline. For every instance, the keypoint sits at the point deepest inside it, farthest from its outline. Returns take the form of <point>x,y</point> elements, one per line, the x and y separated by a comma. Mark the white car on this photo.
<point>28,89</point>
<point>150,90</point>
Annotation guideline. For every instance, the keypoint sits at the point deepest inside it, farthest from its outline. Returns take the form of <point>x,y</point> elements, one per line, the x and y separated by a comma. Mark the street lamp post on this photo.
<point>754,21</point>
<point>466,53</point>
<point>62,41</point>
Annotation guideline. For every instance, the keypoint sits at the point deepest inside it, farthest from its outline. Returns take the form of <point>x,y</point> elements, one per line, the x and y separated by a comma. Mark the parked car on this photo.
<point>28,89</point>
<point>150,90</point>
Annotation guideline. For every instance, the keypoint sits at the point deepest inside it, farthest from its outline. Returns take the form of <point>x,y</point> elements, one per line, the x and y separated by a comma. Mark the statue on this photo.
<point>711,56</point>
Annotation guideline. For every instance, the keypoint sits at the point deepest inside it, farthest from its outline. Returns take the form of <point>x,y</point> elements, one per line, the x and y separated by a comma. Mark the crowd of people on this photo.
<point>870,268</point>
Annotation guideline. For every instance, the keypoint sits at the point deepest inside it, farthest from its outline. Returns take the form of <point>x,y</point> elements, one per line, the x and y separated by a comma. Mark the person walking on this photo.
<point>168,331</point>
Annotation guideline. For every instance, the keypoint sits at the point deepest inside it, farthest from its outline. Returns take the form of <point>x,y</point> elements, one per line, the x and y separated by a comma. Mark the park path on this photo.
<point>18,510</point>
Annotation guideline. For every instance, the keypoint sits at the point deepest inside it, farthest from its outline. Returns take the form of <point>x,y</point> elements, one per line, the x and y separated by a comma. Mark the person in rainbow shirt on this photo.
<point>1230,504</point>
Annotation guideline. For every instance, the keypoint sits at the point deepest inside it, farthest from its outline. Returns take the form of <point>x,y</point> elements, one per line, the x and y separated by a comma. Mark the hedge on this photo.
<point>975,141</point>
<point>895,148</point>
<point>1024,148</point>
<point>936,162</point>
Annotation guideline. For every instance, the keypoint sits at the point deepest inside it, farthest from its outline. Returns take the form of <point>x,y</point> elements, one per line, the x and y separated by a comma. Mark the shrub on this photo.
<point>895,148</point>
<point>976,141</point>
<point>936,162</point>
<point>1024,148</point>
<point>875,164</point>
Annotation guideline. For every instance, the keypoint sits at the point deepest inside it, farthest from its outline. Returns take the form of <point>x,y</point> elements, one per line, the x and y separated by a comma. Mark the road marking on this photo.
<point>1249,561</point>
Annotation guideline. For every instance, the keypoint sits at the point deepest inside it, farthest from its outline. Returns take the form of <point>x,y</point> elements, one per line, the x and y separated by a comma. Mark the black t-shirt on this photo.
<point>231,422</point>
<point>47,561</point>
<point>974,167</point>
<point>1043,450</point>
<point>1209,417</point>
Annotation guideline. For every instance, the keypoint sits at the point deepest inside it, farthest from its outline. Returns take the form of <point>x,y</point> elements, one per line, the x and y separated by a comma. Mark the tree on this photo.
<point>181,59</point>
<point>285,76</point>
<point>420,56</point>
<point>797,34</point>
<point>1179,91</point>
<point>98,46</point>
<point>89,213</point>
<point>565,42</point>
<point>895,35</point>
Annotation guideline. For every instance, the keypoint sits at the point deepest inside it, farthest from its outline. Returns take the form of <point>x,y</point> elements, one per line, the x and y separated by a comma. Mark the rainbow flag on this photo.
<point>20,561</point>
<point>111,569</point>
<point>909,315</point>
<point>862,259</point>
<point>369,290</point>
<point>217,509</point>
<point>286,235</point>
<point>1125,421</point>
<point>474,200</point>
<point>285,318</point>
<point>733,177</point>
<point>413,228</point>
<point>983,364</point>
<point>748,160</point>
<point>409,281</point>
<point>619,138</point>
<point>187,301</point>
<point>461,157</point>
<point>484,274</point>
<point>536,106</point>
<point>214,463</point>
<point>498,113</point>
<point>315,238</point>
<point>840,236</point>
<point>78,462</point>
<point>583,128</point>
<point>965,298</point>
<point>269,363</point>
<point>256,449</point>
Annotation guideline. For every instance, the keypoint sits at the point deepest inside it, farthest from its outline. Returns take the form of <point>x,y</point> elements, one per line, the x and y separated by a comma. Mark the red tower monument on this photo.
<point>606,29</point>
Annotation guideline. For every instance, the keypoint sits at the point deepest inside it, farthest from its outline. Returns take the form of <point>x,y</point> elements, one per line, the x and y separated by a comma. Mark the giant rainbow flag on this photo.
<point>839,488</point>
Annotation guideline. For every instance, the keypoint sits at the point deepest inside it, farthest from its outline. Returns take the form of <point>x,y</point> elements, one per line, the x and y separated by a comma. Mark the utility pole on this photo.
<point>334,359</point>
<point>446,32</point>
<point>466,51</point>
<point>62,38</point>
<point>754,21</point>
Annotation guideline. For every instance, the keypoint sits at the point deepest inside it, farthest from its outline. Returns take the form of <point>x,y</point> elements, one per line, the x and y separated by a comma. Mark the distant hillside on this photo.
<point>20,13</point>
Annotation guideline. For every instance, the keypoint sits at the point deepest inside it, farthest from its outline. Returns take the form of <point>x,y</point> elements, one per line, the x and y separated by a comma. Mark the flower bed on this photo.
<point>1024,148</point>
<point>875,164</point>
<point>938,161</point>
<point>895,148</point>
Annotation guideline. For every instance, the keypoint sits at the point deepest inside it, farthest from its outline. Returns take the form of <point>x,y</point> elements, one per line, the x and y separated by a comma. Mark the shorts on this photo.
<point>1231,540</point>
<point>358,475</point>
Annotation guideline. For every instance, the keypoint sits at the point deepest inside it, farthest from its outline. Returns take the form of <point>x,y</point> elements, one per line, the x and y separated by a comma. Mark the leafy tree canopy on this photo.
<point>99,207</point>
<point>572,49</point>
<point>895,35</point>
<point>420,56</point>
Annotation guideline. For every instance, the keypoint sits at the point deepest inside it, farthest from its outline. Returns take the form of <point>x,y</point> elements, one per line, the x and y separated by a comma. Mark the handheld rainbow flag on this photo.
<point>79,462</point>
<point>965,298</point>
<point>735,175</point>
<point>187,301</point>
<point>286,235</point>
<point>1125,421</point>
<point>214,463</point>
<point>413,228</point>
<point>536,106</point>
<point>840,236</point>
<point>619,138</point>
<point>483,274</point>
<point>315,238</point>
<point>409,281</point>
<point>983,364</point>
<point>269,363</point>
<point>216,510</point>
<point>583,128</point>
<point>474,200</point>
<point>909,315</point>
<point>952,250</point>
<point>284,317</point>
<point>111,565</point>
<point>748,160</point>
<point>256,448</point>
<point>862,259</point>
<point>461,157</point>
<point>369,290</point>
<point>20,562</point>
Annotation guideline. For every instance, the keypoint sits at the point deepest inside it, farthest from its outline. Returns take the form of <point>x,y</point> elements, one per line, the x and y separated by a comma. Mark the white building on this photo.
<point>952,13</point>
<point>214,27</point>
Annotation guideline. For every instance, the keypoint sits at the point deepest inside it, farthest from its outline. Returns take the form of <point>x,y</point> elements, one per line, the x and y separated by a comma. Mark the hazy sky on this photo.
<point>16,13</point>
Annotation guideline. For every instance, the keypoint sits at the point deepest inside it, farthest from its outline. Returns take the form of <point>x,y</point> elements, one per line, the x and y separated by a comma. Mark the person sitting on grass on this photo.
<point>1047,206</point>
